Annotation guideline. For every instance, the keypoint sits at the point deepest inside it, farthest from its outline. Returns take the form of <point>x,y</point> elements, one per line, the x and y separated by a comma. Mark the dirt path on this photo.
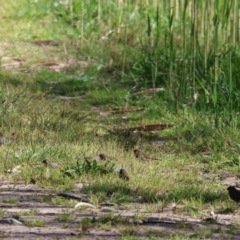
<point>163,224</point>
<point>26,57</point>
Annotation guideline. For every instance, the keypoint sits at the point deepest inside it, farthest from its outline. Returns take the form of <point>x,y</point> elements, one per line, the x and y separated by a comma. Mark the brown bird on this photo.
<point>102,156</point>
<point>136,136</point>
<point>99,157</point>
<point>47,163</point>
<point>123,174</point>
<point>139,154</point>
<point>234,194</point>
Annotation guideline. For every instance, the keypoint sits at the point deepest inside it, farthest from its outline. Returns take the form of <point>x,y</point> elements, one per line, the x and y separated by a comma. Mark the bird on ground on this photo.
<point>48,163</point>
<point>136,136</point>
<point>234,194</point>
<point>141,155</point>
<point>123,174</point>
<point>100,157</point>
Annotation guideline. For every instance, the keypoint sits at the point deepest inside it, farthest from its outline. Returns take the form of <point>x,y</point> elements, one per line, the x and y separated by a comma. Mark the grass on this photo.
<point>65,217</point>
<point>64,131</point>
<point>104,57</point>
<point>63,202</point>
<point>129,231</point>
<point>107,221</point>
<point>35,223</point>
<point>2,212</point>
<point>10,200</point>
<point>32,212</point>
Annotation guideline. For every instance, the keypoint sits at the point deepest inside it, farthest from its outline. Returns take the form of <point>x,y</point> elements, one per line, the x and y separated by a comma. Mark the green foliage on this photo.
<point>61,84</point>
<point>110,51</point>
<point>194,192</point>
<point>35,223</point>
<point>189,48</point>
<point>90,167</point>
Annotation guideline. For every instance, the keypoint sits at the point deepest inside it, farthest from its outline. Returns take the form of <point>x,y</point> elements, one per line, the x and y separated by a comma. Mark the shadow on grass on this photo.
<point>196,193</point>
<point>79,86</point>
<point>10,79</point>
<point>151,196</point>
<point>66,87</point>
<point>50,82</point>
<point>118,192</point>
<point>195,138</point>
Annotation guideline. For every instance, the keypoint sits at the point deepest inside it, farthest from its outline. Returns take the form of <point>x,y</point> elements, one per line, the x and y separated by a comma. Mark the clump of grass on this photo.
<point>32,212</point>
<point>10,200</point>
<point>91,167</point>
<point>129,231</point>
<point>112,220</point>
<point>228,207</point>
<point>35,223</point>
<point>105,222</point>
<point>2,212</point>
<point>63,201</point>
<point>85,224</point>
<point>65,217</point>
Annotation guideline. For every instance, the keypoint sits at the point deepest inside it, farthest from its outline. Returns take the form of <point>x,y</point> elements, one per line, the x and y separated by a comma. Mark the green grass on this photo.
<point>32,212</point>
<point>2,212</point>
<point>189,49</point>
<point>65,217</point>
<point>109,52</point>
<point>64,131</point>
<point>10,200</point>
<point>35,223</point>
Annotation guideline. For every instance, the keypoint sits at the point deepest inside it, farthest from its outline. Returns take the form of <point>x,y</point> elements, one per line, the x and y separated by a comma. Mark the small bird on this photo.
<point>123,174</point>
<point>234,194</point>
<point>99,157</point>
<point>47,163</point>
<point>102,156</point>
<point>139,154</point>
<point>33,181</point>
<point>136,136</point>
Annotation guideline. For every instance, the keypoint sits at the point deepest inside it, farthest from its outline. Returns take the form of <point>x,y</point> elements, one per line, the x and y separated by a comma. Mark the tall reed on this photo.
<point>189,47</point>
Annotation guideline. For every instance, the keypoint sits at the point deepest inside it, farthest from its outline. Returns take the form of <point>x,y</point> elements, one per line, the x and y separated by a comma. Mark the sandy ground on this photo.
<point>162,224</point>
